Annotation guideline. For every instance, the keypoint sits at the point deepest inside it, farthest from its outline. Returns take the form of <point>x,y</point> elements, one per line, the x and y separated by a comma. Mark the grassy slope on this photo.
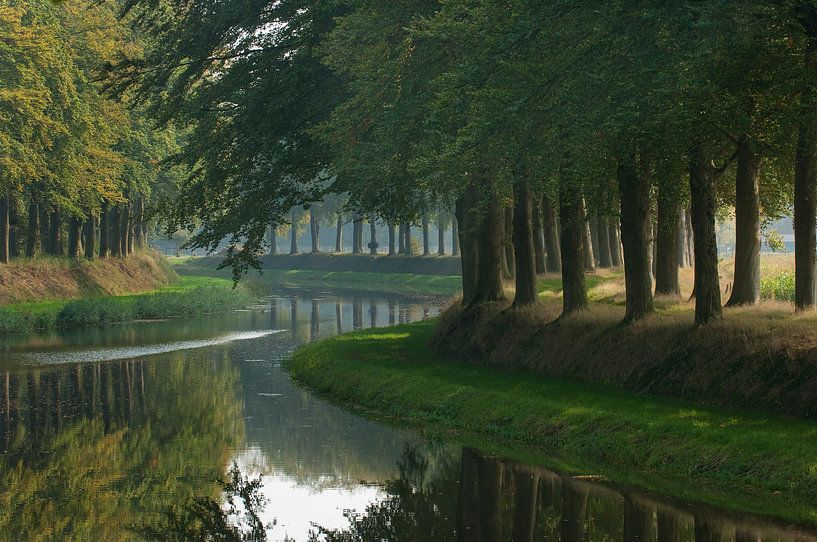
<point>744,461</point>
<point>398,283</point>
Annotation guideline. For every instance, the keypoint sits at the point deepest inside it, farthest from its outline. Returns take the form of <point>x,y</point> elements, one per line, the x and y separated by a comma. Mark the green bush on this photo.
<point>780,287</point>
<point>16,322</point>
<point>201,300</point>
<point>93,312</point>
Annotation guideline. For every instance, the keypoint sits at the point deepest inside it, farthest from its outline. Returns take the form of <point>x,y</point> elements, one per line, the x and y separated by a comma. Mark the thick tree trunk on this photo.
<point>33,233</point>
<point>115,244</point>
<point>139,225</point>
<point>392,239</point>
<point>605,257</point>
<point>455,236</point>
<point>273,240</point>
<point>45,231</point>
<point>104,244</point>
<point>574,291</point>
<point>634,192</point>
<point>681,239</point>
<point>357,236</point>
<point>702,184</point>
<point>426,234</point>
<point>594,239</point>
<point>615,243</point>
<point>468,241</point>
<point>523,244</point>
<point>373,238</point>
<point>339,235</point>
<point>124,230</point>
<point>552,249</point>
<point>90,237</point>
<point>5,230</point>
<point>805,244</point>
<point>401,239</point>
<point>132,236</point>
<point>666,248</point>
<point>55,227</point>
<point>490,251</point>
<point>407,242</point>
<point>314,230</point>
<point>538,239</point>
<point>14,230</point>
<point>74,237</point>
<point>746,286</point>
<point>587,241</point>
<point>293,233</point>
<point>441,227</point>
<point>690,238</point>
<point>508,263</point>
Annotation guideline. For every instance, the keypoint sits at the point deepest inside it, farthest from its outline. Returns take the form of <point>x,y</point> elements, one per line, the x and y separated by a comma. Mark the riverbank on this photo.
<point>745,461</point>
<point>64,294</point>
<point>394,283</point>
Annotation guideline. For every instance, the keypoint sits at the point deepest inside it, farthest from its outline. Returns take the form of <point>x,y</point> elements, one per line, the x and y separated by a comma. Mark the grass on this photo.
<point>186,297</point>
<point>396,283</point>
<point>744,461</point>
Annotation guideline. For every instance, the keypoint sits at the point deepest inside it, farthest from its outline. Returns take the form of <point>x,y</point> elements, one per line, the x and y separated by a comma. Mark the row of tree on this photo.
<point>80,172</point>
<point>515,113</point>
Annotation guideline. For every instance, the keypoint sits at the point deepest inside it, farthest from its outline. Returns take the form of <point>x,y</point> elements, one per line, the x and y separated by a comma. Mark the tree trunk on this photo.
<point>407,242</point>
<point>55,227</point>
<point>552,248</point>
<point>373,238</point>
<point>666,249</point>
<point>702,183</point>
<point>508,263</point>
<point>33,234</point>
<point>615,243</point>
<point>490,251</point>
<point>574,291</point>
<point>90,237</point>
<point>116,245</point>
<point>401,239</point>
<point>538,239</point>
<point>594,239</point>
<point>455,237</point>
<point>14,230</point>
<point>392,239</point>
<point>746,286</point>
<point>314,230</point>
<point>681,240</point>
<point>124,230</point>
<point>605,257</point>
<point>441,227</point>
<point>357,228</point>
<point>273,240</point>
<point>426,234</point>
<point>132,236</point>
<point>5,229</point>
<point>104,244</point>
<point>339,235</point>
<point>74,234</point>
<point>468,241</point>
<point>587,241</point>
<point>523,244</point>
<point>634,192</point>
<point>45,231</point>
<point>293,235</point>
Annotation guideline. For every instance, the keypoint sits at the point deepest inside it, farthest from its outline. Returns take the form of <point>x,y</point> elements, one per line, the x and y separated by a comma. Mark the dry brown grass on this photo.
<point>758,357</point>
<point>45,279</point>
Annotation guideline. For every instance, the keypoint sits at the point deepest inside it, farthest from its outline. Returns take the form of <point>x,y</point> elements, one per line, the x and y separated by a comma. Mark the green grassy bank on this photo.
<point>187,296</point>
<point>396,283</point>
<point>741,460</point>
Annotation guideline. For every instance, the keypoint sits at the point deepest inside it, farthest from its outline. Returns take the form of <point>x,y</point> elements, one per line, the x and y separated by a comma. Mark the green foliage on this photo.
<point>779,288</point>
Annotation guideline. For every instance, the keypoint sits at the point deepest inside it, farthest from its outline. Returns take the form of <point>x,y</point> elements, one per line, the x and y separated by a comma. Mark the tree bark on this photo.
<point>574,291</point>
<point>357,236</point>
<point>5,230</point>
<point>552,248</point>
<point>490,251</point>
<point>373,237</point>
<point>401,239</point>
<point>702,184</point>
<point>426,234</point>
<point>468,241</point>
<point>538,239</point>
<point>746,286</point>
<point>293,233</point>
<point>508,263</point>
<point>45,231</point>
<point>392,239</point>
<point>273,241</point>
<point>124,230</point>
<point>55,227</point>
<point>605,257</point>
<point>74,235</point>
<point>314,230</point>
<point>116,245</point>
<point>587,241</point>
<point>805,244</point>
<point>441,227</point>
<point>666,242</point>
<point>33,234</point>
<point>407,242</point>
<point>104,245</point>
<point>523,244</point>
<point>339,235</point>
<point>594,239</point>
<point>681,240</point>
<point>14,230</point>
<point>455,237</point>
<point>615,243</point>
<point>90,237</point>
<point>634,192</point>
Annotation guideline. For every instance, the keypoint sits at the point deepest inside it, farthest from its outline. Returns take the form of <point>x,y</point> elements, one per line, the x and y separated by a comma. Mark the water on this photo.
<point>107,432</point>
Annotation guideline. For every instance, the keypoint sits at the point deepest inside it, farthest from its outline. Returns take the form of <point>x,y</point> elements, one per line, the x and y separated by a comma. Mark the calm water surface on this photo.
<point>104,431</point>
